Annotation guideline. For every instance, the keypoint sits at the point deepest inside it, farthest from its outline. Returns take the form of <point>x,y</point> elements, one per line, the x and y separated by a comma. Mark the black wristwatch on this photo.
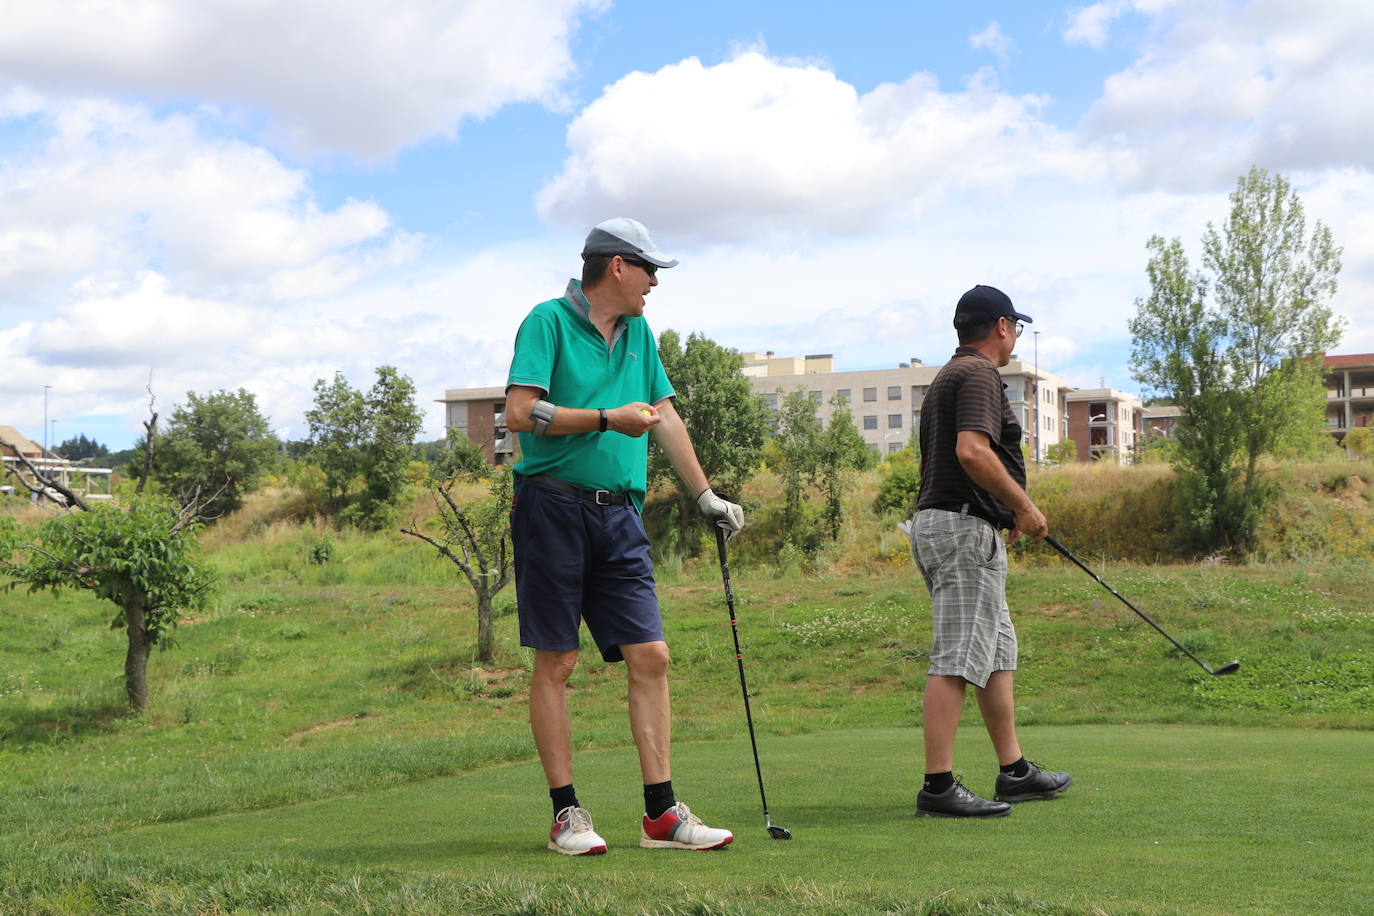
<point>602,412</point>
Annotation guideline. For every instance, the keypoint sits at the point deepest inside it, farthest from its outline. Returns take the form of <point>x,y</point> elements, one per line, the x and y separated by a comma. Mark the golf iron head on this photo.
<point>778,833</point>
<point>1228,668</point>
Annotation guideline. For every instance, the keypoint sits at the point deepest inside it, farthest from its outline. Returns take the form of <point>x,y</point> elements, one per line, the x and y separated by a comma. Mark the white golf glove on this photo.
<point>727,515</point>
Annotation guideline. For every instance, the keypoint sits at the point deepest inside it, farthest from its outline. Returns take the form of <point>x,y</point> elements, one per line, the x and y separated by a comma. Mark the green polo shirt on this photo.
<point>559,351</point>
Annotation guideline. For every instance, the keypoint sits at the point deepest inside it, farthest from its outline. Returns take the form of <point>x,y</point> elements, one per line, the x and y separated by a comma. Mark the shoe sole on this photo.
<point>1039,796</point>
<point>647,843</point>
<point>594,851</point>
<point>974,817</point>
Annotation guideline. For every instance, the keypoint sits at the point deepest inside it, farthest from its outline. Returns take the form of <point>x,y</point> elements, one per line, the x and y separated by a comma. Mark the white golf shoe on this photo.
<point>679,828</point>
<point>572,834</point>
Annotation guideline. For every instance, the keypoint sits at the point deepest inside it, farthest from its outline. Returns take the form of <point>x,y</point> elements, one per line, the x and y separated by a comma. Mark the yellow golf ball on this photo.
<point>646,411</point>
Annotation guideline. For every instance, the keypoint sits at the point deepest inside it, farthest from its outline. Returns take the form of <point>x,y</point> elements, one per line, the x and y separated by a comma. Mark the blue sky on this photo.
<point>222,195</point>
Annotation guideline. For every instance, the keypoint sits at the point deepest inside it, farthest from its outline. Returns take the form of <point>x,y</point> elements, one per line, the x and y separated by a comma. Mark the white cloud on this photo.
<point>111,187</point>
<point>994,42</point>
<point>1090,25</point>
<point>1221,87</point>
<point>754,145</point>
<point>344,75</point>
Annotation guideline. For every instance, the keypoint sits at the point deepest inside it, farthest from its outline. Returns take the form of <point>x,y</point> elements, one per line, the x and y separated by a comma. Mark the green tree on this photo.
<point>475,535</point>
<point>723,415</point>
<point>1359,441</point>
<point>217,444</point>
<point>900,485</point>
<point>362,443</point>
<point>842,451</point>
<point>1245,367</point>
<point>139,556</point>
<point>1063,452</point>
<point>79,448</point>
<point>799,433</point>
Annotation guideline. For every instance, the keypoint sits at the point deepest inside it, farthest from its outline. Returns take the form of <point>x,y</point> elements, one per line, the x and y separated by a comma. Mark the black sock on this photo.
<point>1018,769</point>
<point>563,797</point>
<point>658,798</point>
<point>939,782</point>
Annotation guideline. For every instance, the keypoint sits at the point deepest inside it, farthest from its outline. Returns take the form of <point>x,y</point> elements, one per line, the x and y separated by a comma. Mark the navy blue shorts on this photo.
<point>574,561</point>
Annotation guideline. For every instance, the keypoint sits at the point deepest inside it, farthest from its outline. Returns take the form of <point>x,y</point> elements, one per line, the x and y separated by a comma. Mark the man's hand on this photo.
<point>728,515</point>
<point>633,419</point>
<point>1030,522</point>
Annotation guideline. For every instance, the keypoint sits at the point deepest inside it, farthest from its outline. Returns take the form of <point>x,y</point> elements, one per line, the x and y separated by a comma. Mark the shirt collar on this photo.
<point>578,300</point>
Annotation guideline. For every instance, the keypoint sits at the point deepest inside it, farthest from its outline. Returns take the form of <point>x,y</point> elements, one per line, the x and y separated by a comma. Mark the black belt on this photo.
<point>966,509</point>
<point>600,497</point>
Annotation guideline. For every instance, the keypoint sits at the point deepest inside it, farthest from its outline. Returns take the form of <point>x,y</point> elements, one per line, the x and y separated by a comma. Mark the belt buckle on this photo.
<point>602,497</point>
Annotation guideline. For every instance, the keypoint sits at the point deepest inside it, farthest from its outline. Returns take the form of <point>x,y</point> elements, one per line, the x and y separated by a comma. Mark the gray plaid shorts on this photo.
<point>964,562</point>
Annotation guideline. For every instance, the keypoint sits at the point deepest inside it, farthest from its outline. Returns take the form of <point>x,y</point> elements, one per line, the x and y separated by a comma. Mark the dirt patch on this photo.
<point>348,722</point>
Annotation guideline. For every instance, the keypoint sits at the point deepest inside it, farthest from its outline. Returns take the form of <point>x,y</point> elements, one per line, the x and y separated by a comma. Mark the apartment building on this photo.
<point>1349,384</point>
<point>480,414</point>
<point>886,403</point>
<point>1105,424</point>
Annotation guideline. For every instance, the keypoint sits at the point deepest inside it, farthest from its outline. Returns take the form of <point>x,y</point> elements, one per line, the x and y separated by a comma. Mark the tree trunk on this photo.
<point>136,660</point>
<point>486,639</point>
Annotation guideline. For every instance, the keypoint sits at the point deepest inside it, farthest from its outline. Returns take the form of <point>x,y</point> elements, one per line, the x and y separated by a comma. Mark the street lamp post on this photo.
<point>1038,396</point>
<point>45,421</point>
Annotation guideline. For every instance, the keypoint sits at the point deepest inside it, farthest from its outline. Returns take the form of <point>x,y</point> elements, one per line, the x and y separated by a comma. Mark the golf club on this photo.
<point>1228,668</point>
<point>776,832</point>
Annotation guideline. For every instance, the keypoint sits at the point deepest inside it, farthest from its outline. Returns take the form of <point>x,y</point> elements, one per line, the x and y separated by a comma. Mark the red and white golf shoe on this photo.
<point>572,834</point>
<point>679,828</point>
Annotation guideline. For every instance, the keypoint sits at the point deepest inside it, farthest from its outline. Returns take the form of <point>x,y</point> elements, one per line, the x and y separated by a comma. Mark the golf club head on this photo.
<point>1228,668</point>
<point>779,833</point>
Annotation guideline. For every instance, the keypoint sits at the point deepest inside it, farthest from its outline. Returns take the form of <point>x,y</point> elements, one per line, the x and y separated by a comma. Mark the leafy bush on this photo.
<point>901,483</point>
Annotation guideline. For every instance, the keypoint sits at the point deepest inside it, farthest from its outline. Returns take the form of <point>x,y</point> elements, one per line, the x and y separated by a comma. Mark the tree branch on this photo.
<point>47,482</point>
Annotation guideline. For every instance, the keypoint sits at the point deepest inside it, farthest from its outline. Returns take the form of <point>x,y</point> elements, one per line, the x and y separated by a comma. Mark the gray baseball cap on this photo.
<point>623,235</point>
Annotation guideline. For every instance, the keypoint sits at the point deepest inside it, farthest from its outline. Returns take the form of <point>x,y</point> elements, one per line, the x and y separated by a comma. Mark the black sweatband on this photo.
<point>602,412</point>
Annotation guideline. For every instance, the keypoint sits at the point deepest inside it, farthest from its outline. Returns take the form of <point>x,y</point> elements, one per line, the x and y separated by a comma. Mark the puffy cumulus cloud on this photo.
<point>753,144</point>
<point>113,187</point>
<point>1220,86</point>
<point>1091,25</point>
<point>342,75</point>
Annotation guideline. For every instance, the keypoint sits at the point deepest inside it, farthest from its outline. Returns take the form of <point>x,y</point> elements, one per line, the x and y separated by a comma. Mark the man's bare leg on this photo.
<point>549,713</point>
<point>942,705</point>
<point>650,713</point>
<point>997,703</point>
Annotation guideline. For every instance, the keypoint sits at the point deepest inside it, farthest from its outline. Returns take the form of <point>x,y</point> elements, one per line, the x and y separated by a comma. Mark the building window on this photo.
<point>894,421</point>
<point>894,392</point>
<point>771,401</point>
<point>870,422</point>
<point>844,396</point>
<point>815,396</point>
<point>894,447</point>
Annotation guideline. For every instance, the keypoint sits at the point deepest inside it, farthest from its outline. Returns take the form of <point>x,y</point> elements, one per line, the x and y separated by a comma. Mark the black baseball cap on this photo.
<point>983,304</point>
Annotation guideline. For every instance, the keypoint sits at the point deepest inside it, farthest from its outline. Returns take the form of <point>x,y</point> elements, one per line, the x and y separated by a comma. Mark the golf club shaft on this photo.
<point>739,659</point>
<point>1073,559</point>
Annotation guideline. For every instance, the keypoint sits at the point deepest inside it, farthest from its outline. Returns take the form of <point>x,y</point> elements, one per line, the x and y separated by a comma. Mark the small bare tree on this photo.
<point>475,536</point>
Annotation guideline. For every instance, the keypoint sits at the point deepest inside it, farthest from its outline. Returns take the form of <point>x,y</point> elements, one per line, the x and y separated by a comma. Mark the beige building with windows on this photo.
<point>1349,384</point>
<point>480,414</point>
<point>886,403</point>
<point>1105,424</point>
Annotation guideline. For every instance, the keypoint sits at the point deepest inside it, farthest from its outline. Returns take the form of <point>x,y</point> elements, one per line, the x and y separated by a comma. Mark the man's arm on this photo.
<point>980,462</point>
<point>633,419</point>
<point>672,436</point>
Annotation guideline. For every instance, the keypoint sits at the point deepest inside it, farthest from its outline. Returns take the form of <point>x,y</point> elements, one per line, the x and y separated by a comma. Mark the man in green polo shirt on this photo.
<point>585,385</point>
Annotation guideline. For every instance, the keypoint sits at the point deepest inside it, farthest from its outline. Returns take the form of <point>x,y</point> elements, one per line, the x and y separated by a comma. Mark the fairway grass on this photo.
<point>1160,819</point>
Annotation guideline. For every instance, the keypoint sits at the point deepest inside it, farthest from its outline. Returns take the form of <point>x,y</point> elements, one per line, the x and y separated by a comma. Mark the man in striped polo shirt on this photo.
<point>973,484</point>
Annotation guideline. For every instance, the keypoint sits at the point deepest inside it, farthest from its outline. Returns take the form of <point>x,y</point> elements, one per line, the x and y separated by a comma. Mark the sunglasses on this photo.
<point>645,266</point>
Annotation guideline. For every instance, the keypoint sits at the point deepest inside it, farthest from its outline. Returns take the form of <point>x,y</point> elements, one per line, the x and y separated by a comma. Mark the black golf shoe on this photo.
<point>1035,784</point>
<point>958,801</point>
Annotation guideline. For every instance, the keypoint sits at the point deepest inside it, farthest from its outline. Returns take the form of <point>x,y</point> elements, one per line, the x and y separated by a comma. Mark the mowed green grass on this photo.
<point>1160,819</point>
<point>321,690</point>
